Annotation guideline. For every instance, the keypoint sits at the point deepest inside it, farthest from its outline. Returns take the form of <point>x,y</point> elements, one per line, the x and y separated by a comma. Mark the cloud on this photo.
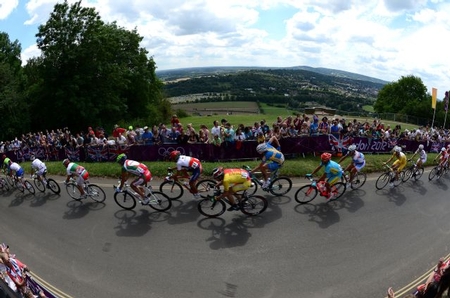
<point>7,7</point>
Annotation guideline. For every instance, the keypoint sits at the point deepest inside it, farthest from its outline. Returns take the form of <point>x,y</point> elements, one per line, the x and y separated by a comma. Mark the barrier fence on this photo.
<point>291,147</point>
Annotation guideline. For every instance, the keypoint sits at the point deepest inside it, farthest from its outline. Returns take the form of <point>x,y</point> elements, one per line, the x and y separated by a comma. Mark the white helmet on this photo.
<point>421,147</point>
<point>32,157</point>
<point>261,148</point>
<point>443,149</point>
<point>397,149</point>
<point>352,148</point>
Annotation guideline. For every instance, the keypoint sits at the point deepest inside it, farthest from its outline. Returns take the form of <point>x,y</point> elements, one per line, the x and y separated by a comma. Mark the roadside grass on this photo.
<point>297,167</point>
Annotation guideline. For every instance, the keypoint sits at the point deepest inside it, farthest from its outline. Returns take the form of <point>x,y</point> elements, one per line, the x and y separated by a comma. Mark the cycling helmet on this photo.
<point>32,157</point>
<point>443,149</point>
<point>121,158</point>
<point>174,155</point>
<point>352,148</point>
<point>325,157</point>
<point>421,147</point>
<point>397,149</point>
<point>6,160</point>
<point>261,148</point>
<point>217,173</point>
<point>66,162</point>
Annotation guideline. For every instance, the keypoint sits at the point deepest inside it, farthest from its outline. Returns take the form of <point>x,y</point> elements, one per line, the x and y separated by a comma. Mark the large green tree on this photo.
<point>13,106</point>
<point>91,72</point>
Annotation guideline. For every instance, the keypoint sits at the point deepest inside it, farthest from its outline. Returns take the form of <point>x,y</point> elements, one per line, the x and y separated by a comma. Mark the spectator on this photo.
<point>147,136</point>
<point>172,136</point>
<point>216,129</point>
<point>131,135</point>
<point>174,121</point>
<point>324,126</point>
<point>182,138</point>
<point>205,131</point>
<point>202,138</point>
<point>216,141</point>
<point>228,134</point>
<point>117,132</point>
<point>193,137</point>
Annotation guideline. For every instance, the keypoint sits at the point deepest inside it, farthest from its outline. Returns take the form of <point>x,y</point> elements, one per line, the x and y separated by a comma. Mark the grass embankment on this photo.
<point>293,167</point>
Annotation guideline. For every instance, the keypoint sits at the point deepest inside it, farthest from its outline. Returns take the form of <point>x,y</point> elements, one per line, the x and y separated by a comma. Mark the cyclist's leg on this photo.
<point>137,186</point>
<point>333,179</point>
<point>193,181</point>
<point>80,183</point>
<point>240,187</point>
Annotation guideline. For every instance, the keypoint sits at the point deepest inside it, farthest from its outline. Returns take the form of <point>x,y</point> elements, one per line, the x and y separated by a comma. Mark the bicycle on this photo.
<point>45,183</point>
<point>307,193</point>
<point>278,186</point>
<point>413,172</point>
<point>437,171</point>
<point>4,184</point>
<point>92,191</point>
<point>248,204</point>
<point>389,176</point>
<point>173,187</point>
<point>127,198</point>
<point>359,179</point>
<point>21,184</point>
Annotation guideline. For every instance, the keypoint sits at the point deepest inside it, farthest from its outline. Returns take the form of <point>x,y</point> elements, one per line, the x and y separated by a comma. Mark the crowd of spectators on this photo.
<point>217,133</point>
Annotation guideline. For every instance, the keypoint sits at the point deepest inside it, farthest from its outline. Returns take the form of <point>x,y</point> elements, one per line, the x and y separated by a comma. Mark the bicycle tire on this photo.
<point>383,180</point>
<point>73,191</point>
<point>20,186</point>
<point>407,174</point>
<point>280,186</point>
<point>338,189</point>
<point>39,184</point>
<point>253,205</point>
<point>418,174</point>
<point>400,179</point>
<point>53,186</point>
<point>163,201</point>
<point>172,189</point>
<point>210,208</point>
<point>359,180</point>
<point>4,184</point>
<point>10,180</point>
<point>28,186</point>
<point>305,194</point>
<point>96,193</point>
<point>125,200</point>
<point>205,187</point>
<point>252,189</point>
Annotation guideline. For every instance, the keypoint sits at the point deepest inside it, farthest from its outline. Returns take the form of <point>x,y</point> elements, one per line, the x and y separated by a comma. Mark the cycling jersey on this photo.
<point>422,155</point>
<point>137,169</point>
<point>333,171</point>
<point>17,169</point>
<point>77,170</point>
<point>273,155</point>
<point>38,166</point>
<point>237,179</point>
<point>358,160</point>
<point>401,161</point>
<point>191,164</point>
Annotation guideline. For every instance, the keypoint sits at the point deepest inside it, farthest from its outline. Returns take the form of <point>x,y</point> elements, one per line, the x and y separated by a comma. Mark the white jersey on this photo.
<point>15,166</point>
<point>38,165</point>
<point>358,158</point>
<point>422,154</point>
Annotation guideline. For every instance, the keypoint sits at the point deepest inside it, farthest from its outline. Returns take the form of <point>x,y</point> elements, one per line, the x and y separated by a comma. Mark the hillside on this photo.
<point>294,87</point>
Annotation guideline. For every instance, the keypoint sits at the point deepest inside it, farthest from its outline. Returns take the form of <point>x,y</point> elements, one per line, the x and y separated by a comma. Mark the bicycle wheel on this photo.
<point>280,186</point>
<point>39,184</point>
<point>53,186</point>
<point>383,180</point>
<point>125,200</point>
<point>407,174</point>
<point>205,187</point>
<point>172,189</point>
<point>252,189</point>
<point>359,180</point>
<point>73,191</point>
<point>253,205</point>
<point>338,190</point>
<point>20,186</point>
<point>27,184</point>
<point>96,193</point>
<point>159,201</point>
<point>400,178</point>
<point>4,184</point>
<point>305,194</point>
<point>10,180</point>
<point>210,208</point>
<point>418,174</point>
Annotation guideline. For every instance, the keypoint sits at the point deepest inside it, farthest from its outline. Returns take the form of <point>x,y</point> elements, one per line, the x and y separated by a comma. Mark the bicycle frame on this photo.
<point>179,180</point>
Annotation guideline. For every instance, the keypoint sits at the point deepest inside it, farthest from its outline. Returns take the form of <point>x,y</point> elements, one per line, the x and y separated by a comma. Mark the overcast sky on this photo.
<point>382,39</point>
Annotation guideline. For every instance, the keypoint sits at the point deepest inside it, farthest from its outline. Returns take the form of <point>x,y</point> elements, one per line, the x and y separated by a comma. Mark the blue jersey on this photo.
<point>332,169</point>
<point>273,154</point>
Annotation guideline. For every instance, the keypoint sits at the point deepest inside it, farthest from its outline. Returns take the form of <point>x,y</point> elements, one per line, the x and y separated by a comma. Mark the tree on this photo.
<point>91,73</point>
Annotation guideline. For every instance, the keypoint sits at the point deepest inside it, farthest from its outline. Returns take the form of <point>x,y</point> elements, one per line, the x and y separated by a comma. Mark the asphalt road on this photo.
<point>354,247</point>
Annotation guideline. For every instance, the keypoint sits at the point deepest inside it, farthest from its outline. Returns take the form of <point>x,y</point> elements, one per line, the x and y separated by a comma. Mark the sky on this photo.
<point>381,39</point>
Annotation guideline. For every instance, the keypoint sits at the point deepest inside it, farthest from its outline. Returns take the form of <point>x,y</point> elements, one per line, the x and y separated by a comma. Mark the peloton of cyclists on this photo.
<point>272,159</point>
<point>399,164</point>
<point>357,164</point>
<point>142,173</point>
<point>332,172</point>
<point>185,164</point>
<point>233,180</point>
<point>73,169</point>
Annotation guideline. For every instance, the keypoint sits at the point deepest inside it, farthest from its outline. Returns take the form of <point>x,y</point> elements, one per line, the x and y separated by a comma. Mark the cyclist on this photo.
<point>5,161</point>
<point>38,167</point>
<point>141,171</point>
<point>422,156</point>
<point>82,174</point>
<point>233,180</point>
<point>332,172</point>
<point>357,164</point>
<point>272,160</point>
<point>399,164</point>
<point>13,168</point>
<point>185,164</point>
<point>443,157</point>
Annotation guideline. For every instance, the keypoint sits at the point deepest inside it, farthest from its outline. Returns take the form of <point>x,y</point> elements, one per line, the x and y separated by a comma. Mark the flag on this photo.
<point>446,101</point>
<point>433,98</point>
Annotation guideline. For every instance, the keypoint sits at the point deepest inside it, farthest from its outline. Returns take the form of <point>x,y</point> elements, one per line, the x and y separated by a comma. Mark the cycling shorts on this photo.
<point>359,166</point>
<point>195,174</point>
<point>273,166</point>
<point>20,173</point>
<point>144,178</point>
<point>241,186</point>
<point>333,179</point>
<point>401,165</point>
<point>83,177</point>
